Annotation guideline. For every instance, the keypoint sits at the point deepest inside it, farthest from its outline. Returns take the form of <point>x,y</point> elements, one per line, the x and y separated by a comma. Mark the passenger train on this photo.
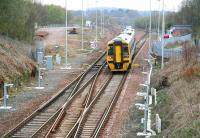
<point>119,51</point>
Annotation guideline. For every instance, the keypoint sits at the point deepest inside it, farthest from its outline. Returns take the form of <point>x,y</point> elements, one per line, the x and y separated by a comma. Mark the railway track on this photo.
<point>81,109</point>
<point>48,112</point>
<point>90,122</point>
<point>74,108</point>
<point>98,111</point>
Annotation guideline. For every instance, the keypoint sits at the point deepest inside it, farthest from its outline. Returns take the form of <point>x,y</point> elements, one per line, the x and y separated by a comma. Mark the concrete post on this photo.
<point>158,123</point>
<point>6,97</point>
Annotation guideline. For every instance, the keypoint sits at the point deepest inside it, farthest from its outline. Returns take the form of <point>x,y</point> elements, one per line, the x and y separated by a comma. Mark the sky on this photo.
<point>143,5</point>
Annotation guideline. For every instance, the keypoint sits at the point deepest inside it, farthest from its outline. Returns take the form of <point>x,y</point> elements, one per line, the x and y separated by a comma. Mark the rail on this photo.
<point>39,112</point>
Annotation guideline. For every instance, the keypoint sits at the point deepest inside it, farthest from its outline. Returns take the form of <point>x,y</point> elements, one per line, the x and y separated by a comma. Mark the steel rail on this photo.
<point>105,116</point>
<point>107,110</point>
<point>98,106</point>
<point>87,109</point>
<point>67,104</point>
<point>51,101</point>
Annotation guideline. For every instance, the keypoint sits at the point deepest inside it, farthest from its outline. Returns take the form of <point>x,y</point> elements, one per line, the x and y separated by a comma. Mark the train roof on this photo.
<point>126,36</point>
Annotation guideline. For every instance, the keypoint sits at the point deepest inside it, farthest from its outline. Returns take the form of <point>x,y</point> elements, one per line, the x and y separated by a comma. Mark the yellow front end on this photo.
<point>115,59</point>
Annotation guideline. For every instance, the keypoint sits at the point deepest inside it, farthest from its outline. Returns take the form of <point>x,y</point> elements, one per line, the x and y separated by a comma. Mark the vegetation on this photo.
<point>18,17</point>
<point>15,67</point>
<point>189,14</point>
<point>178,96</point>
<point>143,21</point>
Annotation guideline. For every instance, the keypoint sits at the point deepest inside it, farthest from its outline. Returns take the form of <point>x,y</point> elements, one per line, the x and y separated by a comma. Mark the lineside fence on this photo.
<point>57,26</point>
<point>170,52</point>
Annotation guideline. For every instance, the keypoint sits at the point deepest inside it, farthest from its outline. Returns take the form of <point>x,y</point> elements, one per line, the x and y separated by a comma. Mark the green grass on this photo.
<point>187,132</point>
<point>173,46</point>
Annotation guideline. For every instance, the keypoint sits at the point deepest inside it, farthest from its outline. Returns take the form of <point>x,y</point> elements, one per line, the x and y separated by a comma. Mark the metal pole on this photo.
<point>163,31</point>
<point>5,95</point>
<point>96,23</point>
<point>39,83</point>
<point>101,21</point>
<point>66,34</point>
<point>82,28</point>
<point>159,19</point>
<point>150,31</point>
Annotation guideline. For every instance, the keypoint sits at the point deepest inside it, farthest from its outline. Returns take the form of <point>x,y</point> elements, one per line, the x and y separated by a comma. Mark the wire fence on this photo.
<point>170,52</point>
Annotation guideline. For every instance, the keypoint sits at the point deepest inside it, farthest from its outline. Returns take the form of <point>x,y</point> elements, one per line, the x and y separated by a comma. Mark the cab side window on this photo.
<point>110,50</point>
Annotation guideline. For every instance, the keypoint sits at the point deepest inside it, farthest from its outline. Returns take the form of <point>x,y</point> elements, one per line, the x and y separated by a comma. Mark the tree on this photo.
<point>18,17</point>
<point>55,14</point>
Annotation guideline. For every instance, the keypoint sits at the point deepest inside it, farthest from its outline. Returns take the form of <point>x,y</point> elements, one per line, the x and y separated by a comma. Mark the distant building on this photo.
<point>88,23</point>
<point>179,30</point>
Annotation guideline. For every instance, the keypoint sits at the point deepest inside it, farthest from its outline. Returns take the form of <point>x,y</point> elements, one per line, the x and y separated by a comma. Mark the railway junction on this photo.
<point>93,75</point>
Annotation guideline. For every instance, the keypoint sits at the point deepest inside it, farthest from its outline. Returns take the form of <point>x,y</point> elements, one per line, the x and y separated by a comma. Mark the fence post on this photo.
<point>154,93</point>
<point>158,123</point>
<point>6,97</point>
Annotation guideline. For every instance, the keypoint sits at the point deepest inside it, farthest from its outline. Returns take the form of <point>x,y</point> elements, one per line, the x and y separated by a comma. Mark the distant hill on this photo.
<point>114,15</point>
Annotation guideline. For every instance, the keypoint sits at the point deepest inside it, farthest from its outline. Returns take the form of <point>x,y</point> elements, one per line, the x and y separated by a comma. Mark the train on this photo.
<point>119,51</point>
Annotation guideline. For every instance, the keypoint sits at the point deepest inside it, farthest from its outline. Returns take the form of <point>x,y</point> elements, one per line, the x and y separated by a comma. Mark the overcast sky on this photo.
<point>172,5</point>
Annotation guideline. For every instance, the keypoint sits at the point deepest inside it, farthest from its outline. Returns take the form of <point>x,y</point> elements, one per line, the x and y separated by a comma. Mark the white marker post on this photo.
<point>158,123</point>
<point>39,79</point>
<point>6,97</point>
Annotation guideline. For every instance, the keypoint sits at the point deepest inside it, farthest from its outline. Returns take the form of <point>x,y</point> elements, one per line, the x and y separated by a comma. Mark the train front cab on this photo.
<point>118,56</point>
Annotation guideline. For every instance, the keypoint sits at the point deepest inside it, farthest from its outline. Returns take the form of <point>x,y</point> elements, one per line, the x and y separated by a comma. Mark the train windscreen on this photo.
<point>125,51</point>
